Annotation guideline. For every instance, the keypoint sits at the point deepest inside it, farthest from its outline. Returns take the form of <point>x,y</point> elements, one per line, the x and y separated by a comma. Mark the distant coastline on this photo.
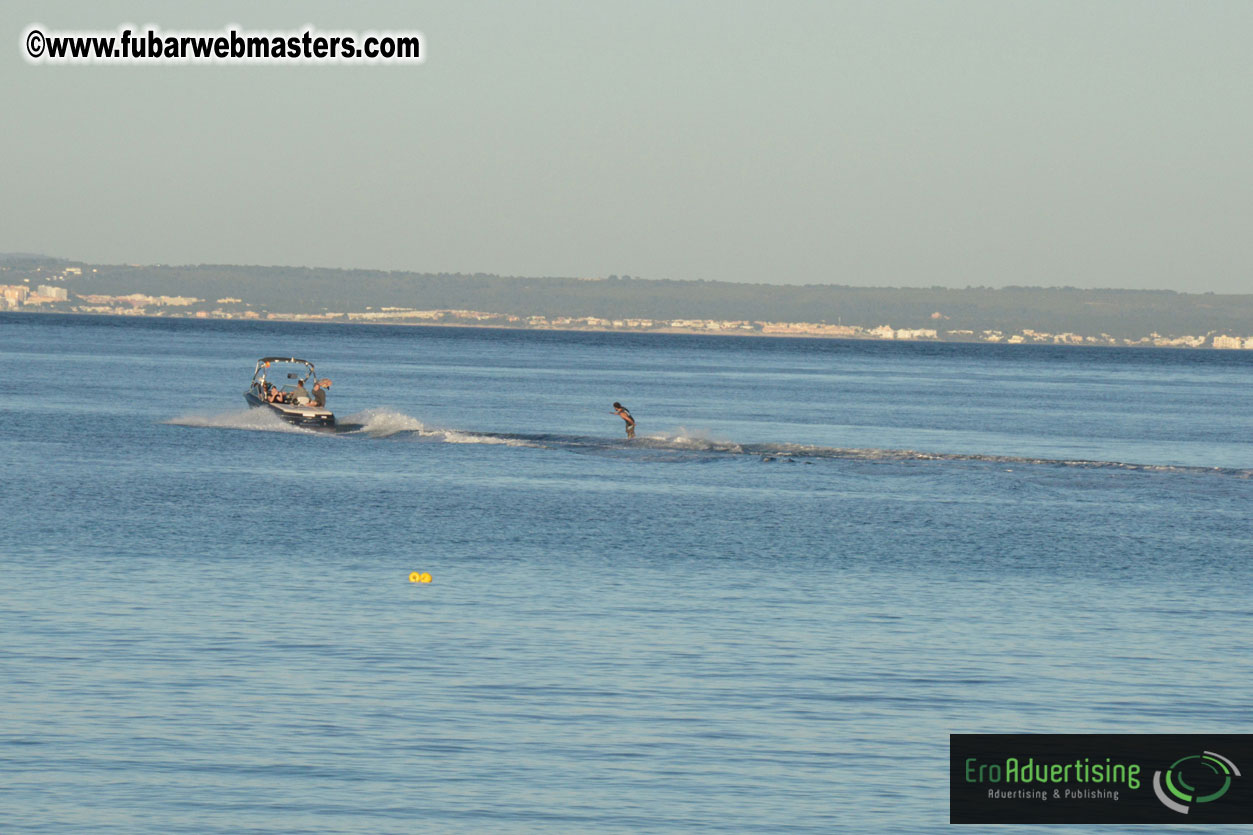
<point>798,330</point>
<point>1010,315</point>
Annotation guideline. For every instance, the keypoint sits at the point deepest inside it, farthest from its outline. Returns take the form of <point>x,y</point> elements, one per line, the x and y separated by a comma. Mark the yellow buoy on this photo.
<point>415,577</point>
<point>426,578</point>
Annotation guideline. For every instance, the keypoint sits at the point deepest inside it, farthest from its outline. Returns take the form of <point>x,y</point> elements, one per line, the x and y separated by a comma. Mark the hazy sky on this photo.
<point>1095,144</point>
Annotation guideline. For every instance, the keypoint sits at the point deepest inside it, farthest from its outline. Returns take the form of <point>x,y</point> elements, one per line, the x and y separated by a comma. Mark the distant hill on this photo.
<point>1120,313</point>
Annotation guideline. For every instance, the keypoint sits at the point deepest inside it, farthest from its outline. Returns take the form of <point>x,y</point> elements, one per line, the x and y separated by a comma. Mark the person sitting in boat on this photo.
<point>272,394</point>
<point>319,392</point>
<point>300,396</point>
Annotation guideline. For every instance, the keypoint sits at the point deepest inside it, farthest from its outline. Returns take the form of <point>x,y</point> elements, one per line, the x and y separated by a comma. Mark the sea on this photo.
<point>767,612</point>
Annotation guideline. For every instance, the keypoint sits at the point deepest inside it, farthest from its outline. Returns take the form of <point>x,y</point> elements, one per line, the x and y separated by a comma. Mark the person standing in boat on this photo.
<point>624,413</point>
<point>300,395</point>
<point>319,392</point>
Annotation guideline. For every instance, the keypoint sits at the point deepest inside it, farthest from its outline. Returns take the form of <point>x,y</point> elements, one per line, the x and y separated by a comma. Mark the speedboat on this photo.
<point>278,384</point>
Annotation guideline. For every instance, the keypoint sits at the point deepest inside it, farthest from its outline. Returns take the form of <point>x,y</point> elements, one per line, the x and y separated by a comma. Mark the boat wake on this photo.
<point>252,420</point>
<point>387,423</point>
<point>681,446</point>
<point>685,442</point>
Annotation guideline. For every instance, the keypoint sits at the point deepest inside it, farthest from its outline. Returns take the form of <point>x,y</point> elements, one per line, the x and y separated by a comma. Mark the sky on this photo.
<point>1086,144</point>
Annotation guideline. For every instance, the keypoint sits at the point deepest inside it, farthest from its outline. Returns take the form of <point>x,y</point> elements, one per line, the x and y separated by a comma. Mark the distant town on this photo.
<point>36,284</point>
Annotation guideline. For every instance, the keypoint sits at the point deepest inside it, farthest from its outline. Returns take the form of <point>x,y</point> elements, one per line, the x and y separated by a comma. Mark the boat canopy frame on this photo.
<point>263,365</point>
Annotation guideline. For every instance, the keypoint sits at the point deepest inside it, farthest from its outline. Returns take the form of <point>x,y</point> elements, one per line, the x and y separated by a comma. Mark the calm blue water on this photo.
<point>766,614</point>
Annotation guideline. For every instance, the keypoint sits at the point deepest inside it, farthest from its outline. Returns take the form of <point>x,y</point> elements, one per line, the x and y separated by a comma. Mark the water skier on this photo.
<point>622,412</point>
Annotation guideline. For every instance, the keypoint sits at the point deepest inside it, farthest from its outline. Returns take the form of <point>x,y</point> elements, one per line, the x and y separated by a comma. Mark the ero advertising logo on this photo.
<point>1099,778</point>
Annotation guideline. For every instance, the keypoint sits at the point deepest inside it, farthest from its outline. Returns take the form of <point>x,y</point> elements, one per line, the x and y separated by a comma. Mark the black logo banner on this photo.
<point>1101,778</point>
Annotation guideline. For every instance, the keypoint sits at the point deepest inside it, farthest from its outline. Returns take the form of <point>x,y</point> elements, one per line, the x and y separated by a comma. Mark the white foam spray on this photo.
<point>387,423</point>
<point>695,440</point>
<point>383,423</point>
<point>253,420</point>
